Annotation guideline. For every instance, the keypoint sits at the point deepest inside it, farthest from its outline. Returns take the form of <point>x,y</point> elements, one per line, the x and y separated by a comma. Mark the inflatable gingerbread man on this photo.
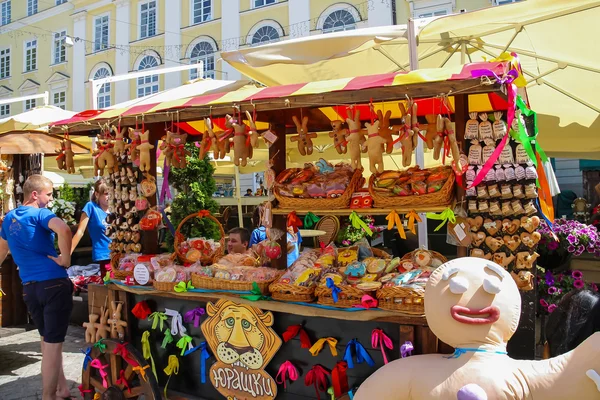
<point>474,305</point>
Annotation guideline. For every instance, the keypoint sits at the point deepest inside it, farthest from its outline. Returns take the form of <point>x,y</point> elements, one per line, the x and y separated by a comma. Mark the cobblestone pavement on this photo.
<point>21,362</point>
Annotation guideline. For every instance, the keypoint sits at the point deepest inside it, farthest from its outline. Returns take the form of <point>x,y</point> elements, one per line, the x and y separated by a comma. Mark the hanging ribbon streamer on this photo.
<point>318,346</point>
<point>394,219</point>
<point>293,221</point>
<point>412,218</point>
<point>168,339</point>
<point>381,340</point>
<point>489,164</point>
<point>358,223</point>
<point>354,346</point>
<point>146,351</point>
<point>367,302</point>
<point>100,345</point>
<point>185,343</point>
<point>183,287</point>
<point>317,376</point>
<point>204,355</point>
<point>256,294</point>
<point>156,318</point>
<point>194,315</point>
<point>334,289</point>
<point>123,381</point>
<point>172,368</point>
<point>331,393</point>
<point>106,278</point>
<point>165,190</point>
<point>292,331</point>
<point>406,349</point>
<point>310,220</point>
<point>86,357</point>
<point>141,371</point>
<point>528,141</point>
<point>141,310</point>
<point>286,371</point>
<point>121,350</point>
<point>339,378</point>
<point>83,391</point>
<point>444,216</point>
<point>101,369</point>
<point>177,327</point>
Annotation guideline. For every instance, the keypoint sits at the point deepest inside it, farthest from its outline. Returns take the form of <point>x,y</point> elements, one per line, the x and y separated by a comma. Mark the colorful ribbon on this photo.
<point>168,339</point>
<point>354,346</point>
<point>185,341</point>
<point>317,376</point>
<point>358,223</point>
<point>331,393</point>
<point>256,294</point>
<point>293,221</point>
<point>165,190</point>
<point>318,346</point>
<point>86,357</point>
<point>101,369</point>
<point>394,219</point>
<point>286,371</point>
<point>334,289</point>
<point>490,162</point>
<point>310,220</point>
<point>194,315</point>
<point>204,355</point>
<point>123,381</point>
<point>203,213</point>
<point>339,378</point>
<point>157,317</point>
<point>183,287</point>
<point>460,351</point>
<point>524,138</point>
<point>146,351</point>
<point>129,281</point>
<point>106,278</point>
<point>367,302</point>
<point>177,327</point>
<point>444,216</point>
<point>141,371</point>
<point>171,368</point>
<point>83,391</point>
<point>412,217</point>
<point>100,345</point>
<point>406,349</point>
<point>121,349</point>
<point>381,340</point>
<point>292,331</point>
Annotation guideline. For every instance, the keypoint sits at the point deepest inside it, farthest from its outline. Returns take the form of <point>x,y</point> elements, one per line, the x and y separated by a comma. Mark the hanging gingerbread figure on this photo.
<point>104,155</point>
<point>431,132</point>
<point>218,144</point>
<point>338,134</point>
<point>144,148</point>
<point>304,138</point>
<point>133,151</point>
<point>102,327</point>
<point>176,149</point>
<point>90,328</point>
<point>356,138</point>
<point>117,326</point>
<point>242,149</point>
<point>385,130</point>
<point>69,157</point>
<point>119,145</point>
<point>60,156</point>
<point>406,136</point>
<point>375,147</point>
<point>253,131</point>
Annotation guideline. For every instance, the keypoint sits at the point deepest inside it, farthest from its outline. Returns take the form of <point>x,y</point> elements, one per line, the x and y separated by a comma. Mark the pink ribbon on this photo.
<point>380,339</point>
<point>286,371</point>
<point>121,349</point>
<point>98,364</point>
<point>194,315</point>
<point>82,391</point>
<point>165,190</point>
<point>367,302</point>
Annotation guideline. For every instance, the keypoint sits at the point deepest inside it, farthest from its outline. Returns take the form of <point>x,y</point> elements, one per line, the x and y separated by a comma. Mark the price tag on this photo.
<point>269,137</point>
<point>141,274</point>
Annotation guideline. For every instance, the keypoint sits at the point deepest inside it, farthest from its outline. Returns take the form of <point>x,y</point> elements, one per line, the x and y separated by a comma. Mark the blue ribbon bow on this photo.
<point>334,290</point>
<point>361,354</point>
<point>460,351</point>
<point>87,358</point>
<point>204,355</point>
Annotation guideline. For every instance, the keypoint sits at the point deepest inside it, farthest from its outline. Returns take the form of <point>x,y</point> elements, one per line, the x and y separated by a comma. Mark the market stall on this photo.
<point>213,324</point>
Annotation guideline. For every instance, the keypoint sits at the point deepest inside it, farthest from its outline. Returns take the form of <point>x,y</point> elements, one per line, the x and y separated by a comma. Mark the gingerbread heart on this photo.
<point>480,254</point>
<point>512,242</point>
<point>492,227</point>
<point>502,259</point>
<point>493,243</point>
<point>475,223</point>
<point>530,224</point>
<point>148,187</point>
<point>477,238</point>
<point>525,260</point>
<point>511,227</point>
<point>530,239</point>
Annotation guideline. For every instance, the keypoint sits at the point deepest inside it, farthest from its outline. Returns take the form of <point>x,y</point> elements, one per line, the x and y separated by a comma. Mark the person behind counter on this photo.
<point>93,216</point>
<point>239,239</point>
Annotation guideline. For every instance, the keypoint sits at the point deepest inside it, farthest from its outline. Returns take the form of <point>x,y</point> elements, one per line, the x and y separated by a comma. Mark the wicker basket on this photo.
<point>322,204</point>
<point>204,259</point>
<point>406,300</point>
<point>206,282</point>
<point>164,286</point>
<point>442,197</point>
<point>120,275</point>
<point>293,293</point>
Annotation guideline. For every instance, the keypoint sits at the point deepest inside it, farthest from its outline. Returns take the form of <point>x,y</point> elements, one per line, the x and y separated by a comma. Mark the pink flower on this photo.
<point>578,284</point>
<point>552,307</point>
<point>553,245</point>
<point>577,274</point>
<point>594,287</point>
<point>544,303</point>
<point>552,290</point>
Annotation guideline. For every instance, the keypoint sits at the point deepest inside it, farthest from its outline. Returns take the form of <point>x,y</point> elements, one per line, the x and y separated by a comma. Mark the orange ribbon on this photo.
<point>203,213</point>
<point>412,217</point>
<point>394,219</point>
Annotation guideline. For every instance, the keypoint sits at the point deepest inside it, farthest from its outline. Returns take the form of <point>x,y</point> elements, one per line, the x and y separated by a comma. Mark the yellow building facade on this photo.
<point>59,45</point>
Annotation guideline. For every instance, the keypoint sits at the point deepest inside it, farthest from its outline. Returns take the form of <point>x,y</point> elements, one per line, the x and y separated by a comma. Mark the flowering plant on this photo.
<point>553,287</point>
<point>573,238</point>
<point>64,210</point>
<point>350,235</point>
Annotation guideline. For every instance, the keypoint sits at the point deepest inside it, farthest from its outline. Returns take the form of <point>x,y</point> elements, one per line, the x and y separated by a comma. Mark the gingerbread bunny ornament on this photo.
<point>356,138</point>
<point>242,149</point>
<point>338,134</point>
<point>304,139</point>
<point>406,136</point>
<point>69,155</point>
<point>375,147</point>
<point>119,145</point>
<point>144,148</point>
<point>253,131</point>
<point>60,158</point>
<point>385,130</point>
<point>220,148</point>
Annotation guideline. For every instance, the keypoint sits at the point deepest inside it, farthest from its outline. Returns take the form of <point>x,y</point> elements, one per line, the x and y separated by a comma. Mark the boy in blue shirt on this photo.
<point>28,231</point>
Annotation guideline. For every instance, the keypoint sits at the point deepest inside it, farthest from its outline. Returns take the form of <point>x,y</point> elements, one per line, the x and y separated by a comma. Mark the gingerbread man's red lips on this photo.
<point>473,316</point>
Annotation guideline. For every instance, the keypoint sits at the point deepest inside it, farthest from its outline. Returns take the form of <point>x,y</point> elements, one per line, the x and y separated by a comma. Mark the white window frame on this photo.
<point>62,103</point>
<point>429,9</point>
<point>29,104</point>
<point>503,2</point>
<point>26,48</point>
<point>7,52</point>
<point>99,43</point>
<point>59,2</point>
<point>208,73</point>
<point>140,4</point>
<point>264,3</point>
<point>193,16</point>
<point>5,6</point>
<point>59,46</point>
<point>32,7</point>
<point>148,81</point>
<point>104,93</point>
<point>337,7</point>
<point>261,24</point>
<point>4,110</point>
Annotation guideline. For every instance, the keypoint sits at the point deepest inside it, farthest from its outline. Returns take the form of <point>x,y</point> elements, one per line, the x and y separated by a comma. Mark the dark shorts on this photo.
<point>50,304</point>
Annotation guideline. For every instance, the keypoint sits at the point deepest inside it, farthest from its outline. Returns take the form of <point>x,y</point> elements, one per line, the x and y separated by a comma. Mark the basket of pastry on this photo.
<point>205,251</point>
<point>320,186</point>
<point>123,265</point>
<point>167,278</point>
<point>234,272</point>
<point>298,283</point>
<point>412,187</point>
<point>355,277</point>
<point>402,289</point>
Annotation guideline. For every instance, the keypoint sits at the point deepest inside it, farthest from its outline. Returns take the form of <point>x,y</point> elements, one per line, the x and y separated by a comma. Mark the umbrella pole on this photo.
<point>238,196</point>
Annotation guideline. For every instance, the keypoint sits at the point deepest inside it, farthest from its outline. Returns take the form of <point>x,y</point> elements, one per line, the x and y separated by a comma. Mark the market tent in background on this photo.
<point>60,178</point>
<point>558,64</point>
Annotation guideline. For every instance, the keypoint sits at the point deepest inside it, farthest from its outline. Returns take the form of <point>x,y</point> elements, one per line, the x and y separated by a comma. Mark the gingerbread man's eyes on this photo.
<point>458,285</point>
<point>492,285</point>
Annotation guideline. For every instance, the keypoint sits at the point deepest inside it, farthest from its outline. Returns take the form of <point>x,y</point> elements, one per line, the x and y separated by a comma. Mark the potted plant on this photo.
<point>64,210</point>
<point>353,232</point>
<point>566,239</point>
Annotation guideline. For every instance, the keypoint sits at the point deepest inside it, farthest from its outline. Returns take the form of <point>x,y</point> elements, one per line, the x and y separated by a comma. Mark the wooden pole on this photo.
<point>150,238</point>
<point>277,153</point>
<point>461,110</point>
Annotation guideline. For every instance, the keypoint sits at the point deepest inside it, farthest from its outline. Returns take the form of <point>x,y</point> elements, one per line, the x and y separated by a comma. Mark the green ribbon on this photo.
<point>106,278</point>
<point>522,137</point>
<point>100,345</point>
<point>155,317</point>
<point>256,294</point>
<point>358,223</point>
<point>310,220</point>
<point>183,343</point>
<point>444,216</point>
<point>183,287</point>
<point>168,339</point>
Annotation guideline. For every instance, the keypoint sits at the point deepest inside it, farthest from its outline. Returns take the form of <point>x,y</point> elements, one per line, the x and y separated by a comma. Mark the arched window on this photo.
<point>265,34</point>
<point>203,51</point>
<point>338,17</point>
<point>147,85</point>
<point>104,91</point>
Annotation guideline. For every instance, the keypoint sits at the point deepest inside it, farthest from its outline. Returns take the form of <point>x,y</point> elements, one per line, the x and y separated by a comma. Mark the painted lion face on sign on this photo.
<point>239,334</point>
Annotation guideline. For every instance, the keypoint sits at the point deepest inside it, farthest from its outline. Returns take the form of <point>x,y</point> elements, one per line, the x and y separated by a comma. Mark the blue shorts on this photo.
<point>50,304</point>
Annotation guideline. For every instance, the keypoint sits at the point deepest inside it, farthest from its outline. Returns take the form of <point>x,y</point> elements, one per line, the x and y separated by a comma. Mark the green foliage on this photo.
<point>195,186</point>
<point>67,193</point>
<point>82,196</point>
